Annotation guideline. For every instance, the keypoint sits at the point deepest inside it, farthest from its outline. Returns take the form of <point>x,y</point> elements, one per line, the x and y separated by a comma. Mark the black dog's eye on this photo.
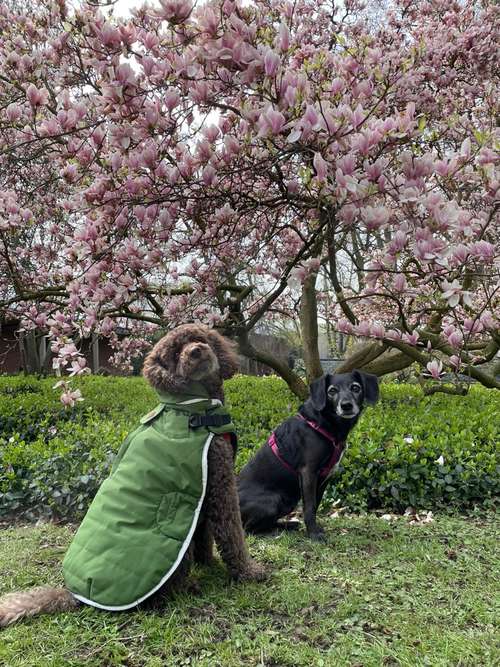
<point>332,390</point>
<point>355,388</point>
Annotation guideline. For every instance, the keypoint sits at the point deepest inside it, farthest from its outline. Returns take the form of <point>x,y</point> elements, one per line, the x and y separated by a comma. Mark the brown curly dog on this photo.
<point>190,353</point>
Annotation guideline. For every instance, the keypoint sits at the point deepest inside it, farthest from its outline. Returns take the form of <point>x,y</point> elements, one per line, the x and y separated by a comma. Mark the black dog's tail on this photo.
<point>40,600</point>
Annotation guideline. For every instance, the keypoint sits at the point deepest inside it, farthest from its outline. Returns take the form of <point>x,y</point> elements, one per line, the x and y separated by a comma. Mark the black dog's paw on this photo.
<point>317,535</point>
<point>288,525</point>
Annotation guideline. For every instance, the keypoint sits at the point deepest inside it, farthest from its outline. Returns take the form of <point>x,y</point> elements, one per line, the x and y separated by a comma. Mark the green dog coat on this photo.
<point>142,519</point>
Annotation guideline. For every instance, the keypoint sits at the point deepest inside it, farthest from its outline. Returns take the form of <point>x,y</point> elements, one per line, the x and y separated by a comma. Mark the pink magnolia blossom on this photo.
<point>363,329</point>
<point>455,339</point>
<point>393,334</point>
<point>171,98</point>
<point>411,339</point>
<point>347,164</point>
<point>320,166</point>
<point>375,217</point>
<point>13,112</point>
<point>483,250</point>
<point>68,350</point>
<point>453,292</point>
<point>473,325</point>
<point>69,398</point>
<point>283,37</point>
<point>271,122</point>
<point>337,85</point>
<point>175,11</point>
<point>152,160</point>
<point>78,367</point>
<point>377,330</point>
<point>435,369</point>
<point>400,283</point>
<point>487,320</point>
<point>344,326</point>
<point>357,116</point>
<point>271,63</point>
<point>465,148</point>
<point>348,183</point>
<point>209,175</point>
<point>487,156</point>
<point>460,253</point>
<point>37,96</point>
<point>375,170</point>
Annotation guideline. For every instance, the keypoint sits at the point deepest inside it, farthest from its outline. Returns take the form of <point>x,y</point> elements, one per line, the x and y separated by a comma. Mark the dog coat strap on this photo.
<point>215,421</point>
<point>197,421</point>
<point>275,450</point>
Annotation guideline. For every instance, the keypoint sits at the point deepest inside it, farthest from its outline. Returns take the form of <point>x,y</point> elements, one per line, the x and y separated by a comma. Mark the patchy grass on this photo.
<point>379,593</point>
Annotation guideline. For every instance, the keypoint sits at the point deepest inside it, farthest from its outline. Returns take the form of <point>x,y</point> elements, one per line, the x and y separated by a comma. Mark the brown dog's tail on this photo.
<point>40,600</point>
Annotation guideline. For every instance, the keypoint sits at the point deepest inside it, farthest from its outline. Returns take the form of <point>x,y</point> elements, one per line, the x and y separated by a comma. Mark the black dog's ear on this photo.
<point>317,390</point>
<point>370,386</point>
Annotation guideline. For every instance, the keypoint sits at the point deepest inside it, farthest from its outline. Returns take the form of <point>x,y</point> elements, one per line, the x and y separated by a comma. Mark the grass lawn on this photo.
<point>379,593</point>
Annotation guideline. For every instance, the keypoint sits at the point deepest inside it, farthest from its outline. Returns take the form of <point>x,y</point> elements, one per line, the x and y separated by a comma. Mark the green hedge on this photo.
<point>52,460</point>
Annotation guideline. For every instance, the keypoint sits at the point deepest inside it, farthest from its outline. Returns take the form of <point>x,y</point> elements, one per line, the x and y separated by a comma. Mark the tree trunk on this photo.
<point>309,328</point>
<point>486,380</point>
<point>294,382</point>
<point>30,352</point>
<point>454,390</point>
<point>390,361</point>
<point>94,347</point>
<point>361,356</point>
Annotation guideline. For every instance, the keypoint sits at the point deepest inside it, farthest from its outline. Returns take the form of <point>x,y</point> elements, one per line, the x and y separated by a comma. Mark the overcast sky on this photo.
<point>122,7</point>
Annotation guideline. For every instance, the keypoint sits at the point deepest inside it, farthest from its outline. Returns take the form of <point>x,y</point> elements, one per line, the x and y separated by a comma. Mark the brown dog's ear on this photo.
<point>317,390</point>
<point>370,386</point>
<point>160,366</point>
<point>226,352</point>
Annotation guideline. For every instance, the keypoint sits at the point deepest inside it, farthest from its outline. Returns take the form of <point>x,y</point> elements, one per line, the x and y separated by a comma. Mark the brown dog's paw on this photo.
<point>203,555</point>
<point>204,558</point>
<point>253,572</point>
<point>193,586</point>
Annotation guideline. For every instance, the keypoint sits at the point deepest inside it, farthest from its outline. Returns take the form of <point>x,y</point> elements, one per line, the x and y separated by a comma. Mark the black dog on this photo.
<point>302,453</point>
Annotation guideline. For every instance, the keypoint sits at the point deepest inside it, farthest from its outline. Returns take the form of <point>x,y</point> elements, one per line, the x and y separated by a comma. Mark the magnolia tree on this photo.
<point>208,162</point>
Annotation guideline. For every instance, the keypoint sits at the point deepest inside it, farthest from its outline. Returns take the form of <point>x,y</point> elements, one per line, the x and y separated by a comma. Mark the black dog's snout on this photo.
<point>347,406</point>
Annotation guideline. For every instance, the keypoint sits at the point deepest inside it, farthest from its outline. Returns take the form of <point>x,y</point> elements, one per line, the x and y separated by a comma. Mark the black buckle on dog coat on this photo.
<point>197,421</point>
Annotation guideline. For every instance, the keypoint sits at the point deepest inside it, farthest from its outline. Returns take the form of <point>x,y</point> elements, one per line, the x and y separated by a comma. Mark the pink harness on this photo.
<point>337,448</point>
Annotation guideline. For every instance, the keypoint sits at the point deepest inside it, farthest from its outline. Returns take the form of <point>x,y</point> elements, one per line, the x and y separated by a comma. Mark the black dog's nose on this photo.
<point>196,352</point>
<point>346,406</point>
